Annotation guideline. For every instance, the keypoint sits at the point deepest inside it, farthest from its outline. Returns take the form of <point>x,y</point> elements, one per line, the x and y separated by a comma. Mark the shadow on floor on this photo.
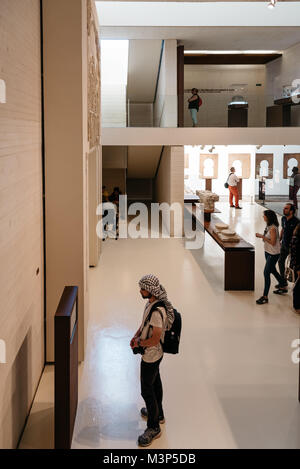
<point>39,433</point>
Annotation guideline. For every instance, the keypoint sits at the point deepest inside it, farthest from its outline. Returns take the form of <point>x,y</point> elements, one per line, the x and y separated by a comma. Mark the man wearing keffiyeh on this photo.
<point>150,337</point>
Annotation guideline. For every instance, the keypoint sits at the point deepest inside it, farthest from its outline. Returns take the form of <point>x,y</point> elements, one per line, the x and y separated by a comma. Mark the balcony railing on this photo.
<point>216,111</point>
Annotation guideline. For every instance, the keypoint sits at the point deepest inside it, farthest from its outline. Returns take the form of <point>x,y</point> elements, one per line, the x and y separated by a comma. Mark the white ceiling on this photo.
<point>188,14</point>
<point>191,1</point>
<point>212,38</point>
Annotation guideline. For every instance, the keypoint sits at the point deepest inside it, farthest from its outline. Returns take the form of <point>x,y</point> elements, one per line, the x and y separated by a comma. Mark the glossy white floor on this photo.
<point>233,385</point>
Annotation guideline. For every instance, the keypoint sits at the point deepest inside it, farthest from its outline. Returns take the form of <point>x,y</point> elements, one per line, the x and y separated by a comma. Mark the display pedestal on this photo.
<point>240,188</point>
<point>191,199</point>
<point>262,190</point>
<point>207,214</point>
<point>278,116</point>
<point>239,259</point>
<point>238,115</point>
<point>208,184</point>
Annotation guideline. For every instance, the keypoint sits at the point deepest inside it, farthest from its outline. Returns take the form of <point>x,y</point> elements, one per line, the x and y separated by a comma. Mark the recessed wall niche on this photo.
<point>287,157</point>
<point>261,169</point>
<point>242,164</point>
<point>208,166</point>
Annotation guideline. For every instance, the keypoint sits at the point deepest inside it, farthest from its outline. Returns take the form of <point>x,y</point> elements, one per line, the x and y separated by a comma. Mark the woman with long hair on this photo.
<point>295,265</point>
<point>271,241</point>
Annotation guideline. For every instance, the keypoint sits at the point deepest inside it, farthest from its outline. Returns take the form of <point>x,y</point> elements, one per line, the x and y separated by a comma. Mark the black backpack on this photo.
<point>226,185</point>
<point>172,336</point>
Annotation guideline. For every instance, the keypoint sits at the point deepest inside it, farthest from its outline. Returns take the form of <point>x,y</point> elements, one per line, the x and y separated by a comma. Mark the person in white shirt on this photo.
<point>271,241</point>
<point>148,341</point>
<point>233,189</point>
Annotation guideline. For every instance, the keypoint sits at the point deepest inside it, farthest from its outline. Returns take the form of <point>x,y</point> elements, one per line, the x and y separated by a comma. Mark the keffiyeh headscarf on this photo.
<point>151,284</point>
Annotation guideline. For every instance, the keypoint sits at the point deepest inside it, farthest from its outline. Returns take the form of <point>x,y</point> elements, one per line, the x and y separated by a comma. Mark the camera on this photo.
<point>137,350</point>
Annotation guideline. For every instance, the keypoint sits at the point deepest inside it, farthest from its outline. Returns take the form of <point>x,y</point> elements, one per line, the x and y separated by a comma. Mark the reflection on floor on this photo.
<point>276,206</point>
<point>275,202</point>
<point>233,385</point>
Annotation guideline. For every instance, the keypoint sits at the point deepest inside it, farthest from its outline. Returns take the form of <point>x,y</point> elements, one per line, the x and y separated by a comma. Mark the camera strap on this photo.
<point>155,307</point>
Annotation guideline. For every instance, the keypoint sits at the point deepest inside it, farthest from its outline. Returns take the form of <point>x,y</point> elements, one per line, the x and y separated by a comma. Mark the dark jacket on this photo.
<point>288,227</point>
<point>295,254</point>
<point>195,104</point>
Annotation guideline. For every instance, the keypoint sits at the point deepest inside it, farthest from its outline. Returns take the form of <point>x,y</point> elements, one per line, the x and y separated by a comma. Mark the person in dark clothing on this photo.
<point>288,223</point>
<point>295,265</point>
<point>194,104</point>
<point>105,194</point>
<point>114,197</point>
<point>296,187</point>
<point>271,241</point>
<point>114,212</point>
<point>150,336</point>
<point>291,182</point>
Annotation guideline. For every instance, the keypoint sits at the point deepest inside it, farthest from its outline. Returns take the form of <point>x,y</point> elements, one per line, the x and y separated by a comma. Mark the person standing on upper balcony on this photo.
<point>194,103</point>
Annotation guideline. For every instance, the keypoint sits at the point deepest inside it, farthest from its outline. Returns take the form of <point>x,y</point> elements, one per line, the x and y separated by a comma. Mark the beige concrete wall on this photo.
<point>163,179</point>
<point>94,199</point>
<point>114,157</point>
<point>214,110</point>
<point>113,178</point>
<point>140,115</point>
<point>70,137</point>
<point>177,175</point>
<point>165,106</point>
<point>169,183</point>
<point>205,136</point>
<point>21,217</point>
<point>143,161</point>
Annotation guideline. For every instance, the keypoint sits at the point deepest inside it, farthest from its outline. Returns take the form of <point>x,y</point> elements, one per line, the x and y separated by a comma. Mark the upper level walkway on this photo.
<point>201,136</point>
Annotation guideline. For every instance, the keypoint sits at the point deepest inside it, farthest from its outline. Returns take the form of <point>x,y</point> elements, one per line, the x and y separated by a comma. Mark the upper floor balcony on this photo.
<point>153,86</point>
<point>221,108</point>
<point>246,69</point>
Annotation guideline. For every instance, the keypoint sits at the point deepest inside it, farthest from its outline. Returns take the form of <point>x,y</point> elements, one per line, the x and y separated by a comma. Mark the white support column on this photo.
<point>165,107</point>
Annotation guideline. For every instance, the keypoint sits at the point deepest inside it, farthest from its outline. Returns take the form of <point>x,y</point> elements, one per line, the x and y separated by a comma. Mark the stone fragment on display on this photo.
<point>208,198</point>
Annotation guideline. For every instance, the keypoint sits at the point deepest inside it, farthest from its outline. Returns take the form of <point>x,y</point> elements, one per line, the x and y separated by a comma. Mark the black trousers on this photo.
<point>270,268</point>
<point>295,199</point>
<point>284,252</point>
<point>152,392</point>
<point>296,294</point>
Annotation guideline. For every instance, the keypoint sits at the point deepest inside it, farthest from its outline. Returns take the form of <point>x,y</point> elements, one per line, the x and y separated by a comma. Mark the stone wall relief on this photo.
<point>94,84</point>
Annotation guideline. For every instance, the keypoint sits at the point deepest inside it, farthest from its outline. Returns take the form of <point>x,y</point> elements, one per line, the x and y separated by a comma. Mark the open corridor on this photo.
<point>233,385</point>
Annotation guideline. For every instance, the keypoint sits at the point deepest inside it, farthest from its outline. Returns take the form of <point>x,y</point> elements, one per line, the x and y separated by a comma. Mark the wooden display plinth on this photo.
<point>237,116</point>
<point>239,259</point>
